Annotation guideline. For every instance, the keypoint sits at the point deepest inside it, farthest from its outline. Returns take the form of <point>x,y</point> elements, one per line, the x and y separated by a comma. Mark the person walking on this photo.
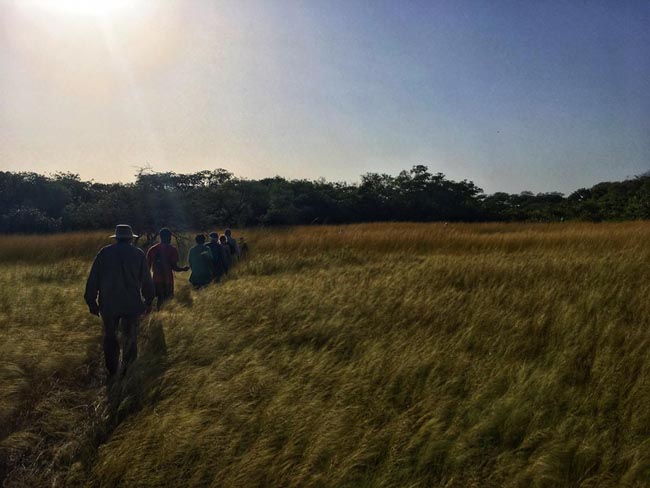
<point>227,255</point>
<point>232,244</point>
<point>163,259</point>
<point>243,248</point>
<point>200,260</point>
<point>218,258</point>
<point>120,278</point>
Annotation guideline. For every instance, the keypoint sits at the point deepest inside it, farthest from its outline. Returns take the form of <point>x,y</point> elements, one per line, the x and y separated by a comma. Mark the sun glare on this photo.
<point>92,8</point>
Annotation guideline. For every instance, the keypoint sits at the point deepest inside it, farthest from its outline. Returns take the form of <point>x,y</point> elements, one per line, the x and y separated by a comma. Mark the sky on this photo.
<point>513,95</point>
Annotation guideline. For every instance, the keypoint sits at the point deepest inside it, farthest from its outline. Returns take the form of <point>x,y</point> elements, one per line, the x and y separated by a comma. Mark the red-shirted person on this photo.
<point>163,260</point>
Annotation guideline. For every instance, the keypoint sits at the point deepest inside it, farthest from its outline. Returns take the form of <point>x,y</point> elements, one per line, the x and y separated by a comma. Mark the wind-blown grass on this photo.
<point>373,355</point>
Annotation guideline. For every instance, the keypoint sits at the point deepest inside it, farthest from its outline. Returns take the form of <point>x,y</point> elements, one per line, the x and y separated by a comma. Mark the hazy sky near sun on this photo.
<point>514,95</point>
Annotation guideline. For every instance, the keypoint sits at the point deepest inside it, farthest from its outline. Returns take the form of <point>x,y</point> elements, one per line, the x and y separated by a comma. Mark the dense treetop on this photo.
<point>30,202</point>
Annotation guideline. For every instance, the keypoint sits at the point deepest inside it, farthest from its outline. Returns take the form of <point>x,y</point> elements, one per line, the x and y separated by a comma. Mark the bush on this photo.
<point>28,220</point>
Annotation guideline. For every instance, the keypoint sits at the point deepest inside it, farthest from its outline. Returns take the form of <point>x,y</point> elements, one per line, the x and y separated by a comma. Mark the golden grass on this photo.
<point>370,355</point>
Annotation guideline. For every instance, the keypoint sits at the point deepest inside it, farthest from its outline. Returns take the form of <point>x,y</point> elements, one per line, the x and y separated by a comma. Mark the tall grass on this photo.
<point>373,355</point>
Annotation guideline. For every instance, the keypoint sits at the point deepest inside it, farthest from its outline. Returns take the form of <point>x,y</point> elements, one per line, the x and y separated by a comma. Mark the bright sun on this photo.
<point>95,8</point>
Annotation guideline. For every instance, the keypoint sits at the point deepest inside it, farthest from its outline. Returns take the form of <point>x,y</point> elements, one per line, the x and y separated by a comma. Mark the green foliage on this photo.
<point>211,199</point>
<point>205,200</point>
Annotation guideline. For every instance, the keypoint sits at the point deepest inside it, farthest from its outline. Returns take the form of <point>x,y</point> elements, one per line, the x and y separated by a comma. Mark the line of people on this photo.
<point>121,288</point>
<point>208,262</point>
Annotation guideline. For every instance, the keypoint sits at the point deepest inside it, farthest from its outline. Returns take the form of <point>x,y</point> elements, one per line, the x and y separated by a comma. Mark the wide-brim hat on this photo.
<point>123,231</point>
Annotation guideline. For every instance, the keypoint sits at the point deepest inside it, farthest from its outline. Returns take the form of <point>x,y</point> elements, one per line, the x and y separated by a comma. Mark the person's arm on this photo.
<point>147,287</point>
<point>174,262</point>
<point>92,287</point>
<point>150,257</point>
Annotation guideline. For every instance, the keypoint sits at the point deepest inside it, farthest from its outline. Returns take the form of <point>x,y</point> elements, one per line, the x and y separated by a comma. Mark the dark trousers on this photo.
<point>164,291</point>
<point>129,326</point>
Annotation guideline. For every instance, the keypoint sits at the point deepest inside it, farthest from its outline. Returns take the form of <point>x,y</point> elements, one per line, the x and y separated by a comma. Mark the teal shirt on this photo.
<point>200,261</point>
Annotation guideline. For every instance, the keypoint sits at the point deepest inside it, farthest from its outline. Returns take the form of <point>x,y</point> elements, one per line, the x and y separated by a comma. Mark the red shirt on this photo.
<point>162,258</point>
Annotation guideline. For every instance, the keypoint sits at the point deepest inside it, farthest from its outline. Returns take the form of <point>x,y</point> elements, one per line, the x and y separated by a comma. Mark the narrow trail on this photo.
<point>58,459</point>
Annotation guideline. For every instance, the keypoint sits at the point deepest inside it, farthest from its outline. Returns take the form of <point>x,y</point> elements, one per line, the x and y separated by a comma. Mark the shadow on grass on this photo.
<point>141,383</point>
<point>40,456</point>
<point>140,386</point>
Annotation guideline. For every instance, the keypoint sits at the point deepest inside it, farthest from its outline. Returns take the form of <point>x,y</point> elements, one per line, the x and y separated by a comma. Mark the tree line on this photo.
<point>31,202</point>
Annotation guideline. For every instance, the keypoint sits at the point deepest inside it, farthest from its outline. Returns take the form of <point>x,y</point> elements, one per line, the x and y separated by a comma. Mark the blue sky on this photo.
<point>541,96</point>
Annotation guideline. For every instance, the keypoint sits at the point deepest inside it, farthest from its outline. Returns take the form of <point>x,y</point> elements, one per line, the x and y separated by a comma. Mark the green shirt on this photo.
<point>200,260</point>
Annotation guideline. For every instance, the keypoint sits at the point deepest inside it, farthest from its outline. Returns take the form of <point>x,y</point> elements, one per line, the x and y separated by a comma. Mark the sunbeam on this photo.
<point>96,8</point>
<point>124,74</point>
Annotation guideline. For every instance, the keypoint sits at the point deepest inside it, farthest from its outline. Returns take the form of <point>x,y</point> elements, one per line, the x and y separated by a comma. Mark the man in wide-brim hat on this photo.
<point>120,278</point>
<point>124,232</point>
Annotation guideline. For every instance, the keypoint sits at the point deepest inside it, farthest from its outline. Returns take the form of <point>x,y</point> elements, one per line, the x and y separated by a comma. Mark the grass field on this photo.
<point>383,355</point>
